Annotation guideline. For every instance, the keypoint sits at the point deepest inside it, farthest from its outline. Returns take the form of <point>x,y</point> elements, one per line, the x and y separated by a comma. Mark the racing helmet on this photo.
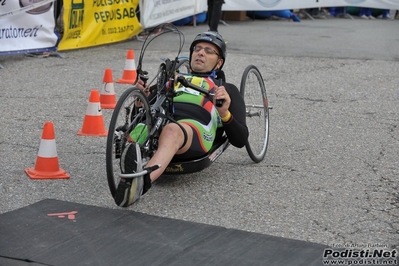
<point>214,38</point>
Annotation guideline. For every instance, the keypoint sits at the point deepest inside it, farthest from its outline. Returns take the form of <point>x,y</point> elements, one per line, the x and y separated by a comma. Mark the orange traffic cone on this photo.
<point>93,123</point>
<point>129,73</point>
<point>47,166</point>
<point>107,94</point>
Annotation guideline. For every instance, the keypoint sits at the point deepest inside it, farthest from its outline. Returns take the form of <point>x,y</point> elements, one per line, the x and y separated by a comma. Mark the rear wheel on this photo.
<point>184,65</point>
<point>131,110</point>
<point>253,90</point>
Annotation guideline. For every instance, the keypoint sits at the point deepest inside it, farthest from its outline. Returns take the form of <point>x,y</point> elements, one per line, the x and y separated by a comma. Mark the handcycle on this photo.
<point>135,113</point>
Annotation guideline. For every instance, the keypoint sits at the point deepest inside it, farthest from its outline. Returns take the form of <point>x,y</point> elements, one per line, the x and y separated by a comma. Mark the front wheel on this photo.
<point>253,91</point>
<point>131,110</point>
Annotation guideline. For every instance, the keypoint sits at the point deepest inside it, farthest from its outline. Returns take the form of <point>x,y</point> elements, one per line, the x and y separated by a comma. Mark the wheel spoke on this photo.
<point>126,116</point>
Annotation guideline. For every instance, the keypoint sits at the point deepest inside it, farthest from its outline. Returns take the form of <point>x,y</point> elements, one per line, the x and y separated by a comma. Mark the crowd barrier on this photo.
<point>27,26</point>
<point>253,5</point>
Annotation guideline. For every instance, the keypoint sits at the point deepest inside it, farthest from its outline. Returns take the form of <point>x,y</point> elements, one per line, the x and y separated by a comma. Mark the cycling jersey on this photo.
<point>199,112</point>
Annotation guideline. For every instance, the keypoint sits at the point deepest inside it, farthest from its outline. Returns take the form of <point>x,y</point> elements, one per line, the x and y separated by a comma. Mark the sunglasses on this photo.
<point>207,50</point>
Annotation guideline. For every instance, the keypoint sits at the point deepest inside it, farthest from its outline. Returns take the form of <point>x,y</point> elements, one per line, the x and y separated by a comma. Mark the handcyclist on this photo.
<point>200,121</point>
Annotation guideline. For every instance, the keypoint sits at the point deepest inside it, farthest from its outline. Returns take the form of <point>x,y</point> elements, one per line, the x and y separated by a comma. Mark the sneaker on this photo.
<point>128,161</point>
<point>130,190</point>
<point>371,17</point>
<point>364,17</point>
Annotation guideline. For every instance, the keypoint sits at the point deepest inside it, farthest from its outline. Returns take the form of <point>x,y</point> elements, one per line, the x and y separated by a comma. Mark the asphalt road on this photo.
<point>331,172</point>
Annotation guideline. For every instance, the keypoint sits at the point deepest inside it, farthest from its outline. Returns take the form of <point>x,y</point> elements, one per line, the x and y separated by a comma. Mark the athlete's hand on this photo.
<point>221,94</point>
<point>140,84</point>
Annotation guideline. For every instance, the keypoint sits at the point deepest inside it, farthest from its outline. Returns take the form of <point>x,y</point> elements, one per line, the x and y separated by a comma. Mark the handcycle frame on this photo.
<point>134,108</point>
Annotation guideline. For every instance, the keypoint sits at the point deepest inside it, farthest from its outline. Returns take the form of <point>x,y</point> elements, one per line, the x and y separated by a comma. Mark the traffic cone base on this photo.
<point>34,174</point>
<point>93,123</point>
<point>129,73</point>
<point>47,166</point>
<point>93,126</point>
<point>107,94</point>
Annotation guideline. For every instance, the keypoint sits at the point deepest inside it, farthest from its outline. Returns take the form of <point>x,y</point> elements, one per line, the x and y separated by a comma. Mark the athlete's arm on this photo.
<point>236,128</point>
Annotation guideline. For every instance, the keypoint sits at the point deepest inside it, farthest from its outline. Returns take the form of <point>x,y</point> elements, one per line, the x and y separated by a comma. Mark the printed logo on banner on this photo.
<point>76,17</point>
<point>27,26</point>
<point>156,2</point>
<point>35,11</point>
<point>95,22</point>
<point>269,3</point>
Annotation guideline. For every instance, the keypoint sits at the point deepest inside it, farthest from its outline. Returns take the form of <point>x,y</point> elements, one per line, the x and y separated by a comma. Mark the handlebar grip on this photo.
<point>219,103</point>
<point>144,76</point>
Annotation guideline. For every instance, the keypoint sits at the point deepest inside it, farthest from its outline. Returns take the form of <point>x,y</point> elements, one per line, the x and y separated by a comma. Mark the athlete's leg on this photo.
<point>170,142</point>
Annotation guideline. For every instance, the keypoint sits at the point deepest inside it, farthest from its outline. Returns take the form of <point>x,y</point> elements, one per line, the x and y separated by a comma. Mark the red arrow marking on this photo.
<point>71,215</point>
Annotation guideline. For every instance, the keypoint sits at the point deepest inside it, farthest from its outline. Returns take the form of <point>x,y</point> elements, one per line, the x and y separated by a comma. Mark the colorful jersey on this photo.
<point>198,110</point>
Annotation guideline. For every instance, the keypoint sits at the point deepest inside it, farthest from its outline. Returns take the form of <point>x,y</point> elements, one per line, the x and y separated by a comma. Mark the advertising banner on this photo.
<point>155,12</point>
<point>238,5</point>
<point>201,6</point>
<point>96,22</point>
<point>27,26</point>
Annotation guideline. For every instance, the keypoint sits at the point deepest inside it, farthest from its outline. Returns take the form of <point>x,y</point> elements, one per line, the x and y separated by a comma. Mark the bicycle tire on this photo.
<point>183,66</point>
<point>123,120</point>
<point>253,90</point>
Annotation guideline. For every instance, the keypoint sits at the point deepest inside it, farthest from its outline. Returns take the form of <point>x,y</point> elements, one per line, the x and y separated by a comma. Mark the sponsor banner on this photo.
<point>201,6</point>
<point>155,12</point>
<point>238,5</point>
<point>96,22</point>
<point>27,26</point>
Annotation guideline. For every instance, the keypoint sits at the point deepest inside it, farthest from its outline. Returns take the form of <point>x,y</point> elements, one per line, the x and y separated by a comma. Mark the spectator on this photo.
<point>365,13</point>
<point>214,14</point>
<point>385,14</point>
<point>337,11</point>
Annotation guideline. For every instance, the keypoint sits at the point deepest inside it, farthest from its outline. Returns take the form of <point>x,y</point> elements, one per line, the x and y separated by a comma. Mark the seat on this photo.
<point>176,167</point>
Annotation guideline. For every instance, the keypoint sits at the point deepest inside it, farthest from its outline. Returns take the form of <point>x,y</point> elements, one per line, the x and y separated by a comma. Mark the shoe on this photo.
<point>364,17</point>
<point>129,190</point>
<point>128,161</point>
<point>371,17</point>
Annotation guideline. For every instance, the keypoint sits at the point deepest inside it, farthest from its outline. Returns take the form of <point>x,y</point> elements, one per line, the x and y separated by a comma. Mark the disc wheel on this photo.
<point>253,91</point>
<point>131,109</point>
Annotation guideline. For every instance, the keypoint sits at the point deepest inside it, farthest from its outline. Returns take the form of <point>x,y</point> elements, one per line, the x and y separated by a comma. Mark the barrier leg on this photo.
<point>304,12</point>
<point>346,14</point>
<point>45,54</point>
<point>57,54</point>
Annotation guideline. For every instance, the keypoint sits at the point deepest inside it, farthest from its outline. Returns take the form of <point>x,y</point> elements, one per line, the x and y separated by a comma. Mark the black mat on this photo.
<point>43,234</point>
